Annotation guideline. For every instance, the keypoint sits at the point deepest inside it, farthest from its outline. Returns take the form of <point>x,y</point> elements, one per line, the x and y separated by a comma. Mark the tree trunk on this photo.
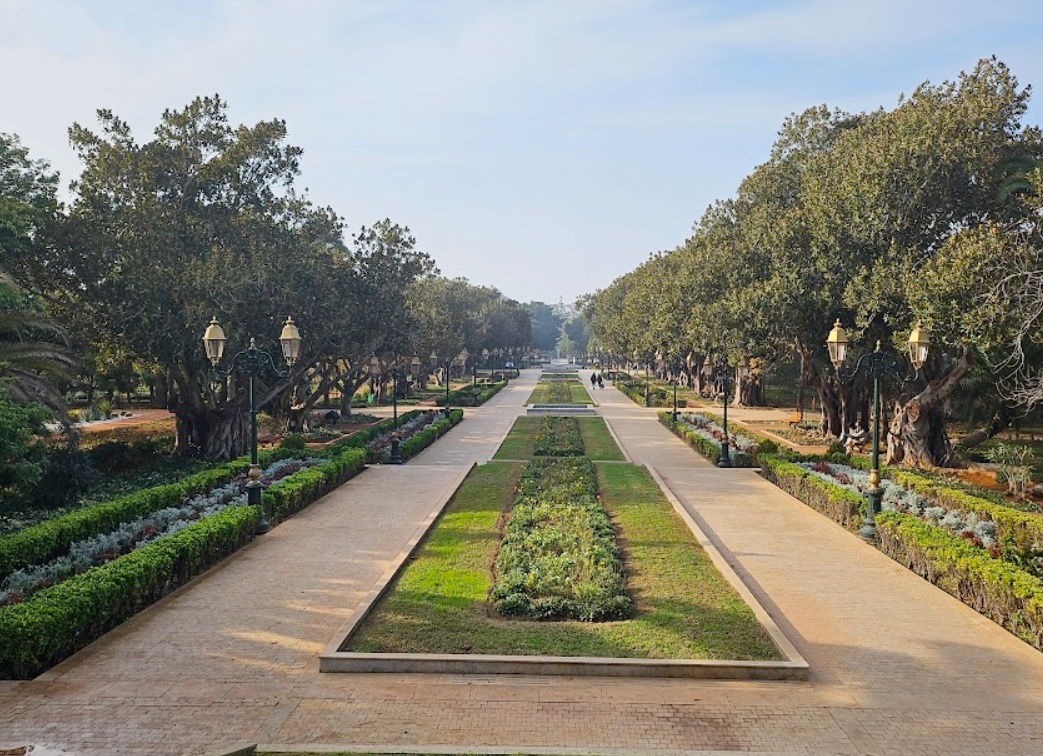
<point>917,436</point>
<point>218,434</point>
<point>160,391</point>
<point>1000,421</point>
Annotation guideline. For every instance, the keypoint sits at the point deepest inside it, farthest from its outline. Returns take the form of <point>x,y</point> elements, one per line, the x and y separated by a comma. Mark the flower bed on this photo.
<point>414,435</point>
<point>636,391</point>
<point>558,437</point>
<point>58,621</point>
<point>53,538</point>
<point>706,437</point>
<point>104,547</point>
<point>558,558</point>
<point>988,555</point>
<point>469,396</point>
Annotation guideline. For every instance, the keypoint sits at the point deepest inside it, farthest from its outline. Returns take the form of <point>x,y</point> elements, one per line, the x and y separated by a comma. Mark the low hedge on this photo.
<point>656,397</point>
<point>705,446</point>
<point>836,503</point>
<point>58,621</point>
<point>1008,596</point>
<point>469,396</point>
<point>416,444</point>
<point>52,538</point>
<point>1019,534</point>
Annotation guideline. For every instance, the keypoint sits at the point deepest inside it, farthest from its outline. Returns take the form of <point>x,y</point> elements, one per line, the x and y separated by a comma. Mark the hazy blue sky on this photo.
<point>540,146</point>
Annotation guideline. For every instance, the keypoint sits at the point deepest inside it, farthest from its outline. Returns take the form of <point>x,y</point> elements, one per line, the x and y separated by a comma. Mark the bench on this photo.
<point>795,418</point>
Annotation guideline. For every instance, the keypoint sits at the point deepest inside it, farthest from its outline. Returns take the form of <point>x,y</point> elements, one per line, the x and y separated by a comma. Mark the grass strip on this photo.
<point>559,392</point>
<point>598,440</point>
<point>684,608</point>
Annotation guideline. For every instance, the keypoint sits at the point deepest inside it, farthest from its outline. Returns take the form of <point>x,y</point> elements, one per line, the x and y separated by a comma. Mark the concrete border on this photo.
<point>332,659</point>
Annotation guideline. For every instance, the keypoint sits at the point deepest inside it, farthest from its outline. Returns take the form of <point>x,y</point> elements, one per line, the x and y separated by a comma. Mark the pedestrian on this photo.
<point>593,379</point>
<point>601,381</point>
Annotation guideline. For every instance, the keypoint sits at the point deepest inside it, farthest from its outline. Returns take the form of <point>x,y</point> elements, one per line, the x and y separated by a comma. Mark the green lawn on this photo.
<point>597,440</point>
<point>685,608</point>
<point>542,394</point>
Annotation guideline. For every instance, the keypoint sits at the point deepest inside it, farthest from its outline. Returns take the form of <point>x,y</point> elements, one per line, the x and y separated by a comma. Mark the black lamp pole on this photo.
<point>674,381</point>
<point>876,365</point>
<point>725,380</point>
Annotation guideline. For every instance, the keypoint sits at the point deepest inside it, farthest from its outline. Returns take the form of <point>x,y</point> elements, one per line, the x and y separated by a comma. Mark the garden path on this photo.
<point>898,667</point>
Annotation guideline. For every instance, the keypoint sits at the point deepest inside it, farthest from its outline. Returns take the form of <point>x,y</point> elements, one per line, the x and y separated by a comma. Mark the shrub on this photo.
<point>558,437</point>
<point>1000,591</point>
<point>558,558</point>
<point>22,453</point>
<point>292,441</point>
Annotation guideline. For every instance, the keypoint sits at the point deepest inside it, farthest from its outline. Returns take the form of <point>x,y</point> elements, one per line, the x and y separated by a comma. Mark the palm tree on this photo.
<point>34,352</point>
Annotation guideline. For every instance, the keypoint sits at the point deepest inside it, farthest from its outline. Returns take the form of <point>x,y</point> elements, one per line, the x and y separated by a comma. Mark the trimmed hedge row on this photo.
<point>470,397</point>
<point>416,444</point>
<point>657,397</point>
<point>1008,596</point>
<point>52,538</point>
<point>705,446</point>
<point>58,621</point>
<point>836,503</point>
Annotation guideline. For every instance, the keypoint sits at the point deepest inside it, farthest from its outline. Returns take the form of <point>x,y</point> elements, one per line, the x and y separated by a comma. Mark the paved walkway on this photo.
<point>898,667</point>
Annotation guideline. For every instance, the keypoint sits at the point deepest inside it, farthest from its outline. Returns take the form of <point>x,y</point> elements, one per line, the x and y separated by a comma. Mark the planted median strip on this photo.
<point>445,599</point>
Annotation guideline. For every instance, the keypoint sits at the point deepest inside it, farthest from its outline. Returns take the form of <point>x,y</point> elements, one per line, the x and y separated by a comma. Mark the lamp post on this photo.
<point>487,359</point>
<point>251,361</point>
<point>673,380</point>
<point>724,382</point>
<point>448,363</point>
<point>876,365</point>
<point>415,366</point>
<point>461,362</point>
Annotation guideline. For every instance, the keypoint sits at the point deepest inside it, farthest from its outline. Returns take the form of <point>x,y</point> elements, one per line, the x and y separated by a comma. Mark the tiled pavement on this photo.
<point>898,667</point>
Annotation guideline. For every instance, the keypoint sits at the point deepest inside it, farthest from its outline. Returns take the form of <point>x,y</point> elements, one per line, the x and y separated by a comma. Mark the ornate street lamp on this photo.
<point>724,384</point>
<point>251,361</point>
<point>876,365</point>
<point>435,364</point>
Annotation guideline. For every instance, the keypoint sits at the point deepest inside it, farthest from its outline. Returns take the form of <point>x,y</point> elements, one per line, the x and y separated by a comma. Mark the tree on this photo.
<point>22,450</point>
<point>201,221</point>
<point>34,354</point>
<point>546,325</point>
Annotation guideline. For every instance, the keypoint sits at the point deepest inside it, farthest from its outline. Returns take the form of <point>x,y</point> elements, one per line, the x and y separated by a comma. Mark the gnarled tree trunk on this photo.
<point>917,436</point>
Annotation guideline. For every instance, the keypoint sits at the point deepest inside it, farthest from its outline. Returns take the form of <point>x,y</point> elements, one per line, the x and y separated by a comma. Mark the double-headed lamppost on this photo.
<point>251,361</point>
<point>876,365</point>
<point>724,383</point>
<point>448,363</point>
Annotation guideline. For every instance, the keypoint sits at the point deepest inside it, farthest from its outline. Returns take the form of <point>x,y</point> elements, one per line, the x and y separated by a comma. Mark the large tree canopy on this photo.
<point>846,219</point>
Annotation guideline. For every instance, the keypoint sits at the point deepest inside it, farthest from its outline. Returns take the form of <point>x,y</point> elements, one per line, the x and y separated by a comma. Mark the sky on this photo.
<point>544,147</point>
